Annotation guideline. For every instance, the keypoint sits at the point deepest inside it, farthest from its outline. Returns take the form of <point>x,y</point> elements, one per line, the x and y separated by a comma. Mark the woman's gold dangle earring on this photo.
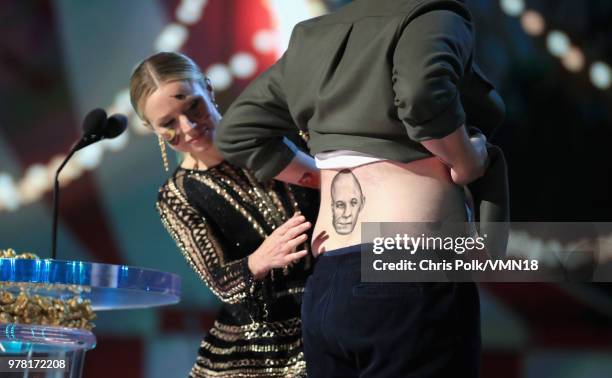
<point>162,147</point>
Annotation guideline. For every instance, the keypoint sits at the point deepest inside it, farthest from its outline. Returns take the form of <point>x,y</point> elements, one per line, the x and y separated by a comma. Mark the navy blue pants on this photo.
<point>356,329</point>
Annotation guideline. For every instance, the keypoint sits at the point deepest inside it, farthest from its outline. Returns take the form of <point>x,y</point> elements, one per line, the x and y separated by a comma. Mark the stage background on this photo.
<point>59,59</point>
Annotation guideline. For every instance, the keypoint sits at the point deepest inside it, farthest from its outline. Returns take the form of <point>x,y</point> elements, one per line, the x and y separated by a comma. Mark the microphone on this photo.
<point>96,127</point>
<point>94,121</point>
<point>115,126</point>
<point>93,127</point>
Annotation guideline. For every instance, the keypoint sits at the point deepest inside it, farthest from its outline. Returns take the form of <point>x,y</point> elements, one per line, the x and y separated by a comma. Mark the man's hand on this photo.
<point>478,168</point>
<point>465,156</point>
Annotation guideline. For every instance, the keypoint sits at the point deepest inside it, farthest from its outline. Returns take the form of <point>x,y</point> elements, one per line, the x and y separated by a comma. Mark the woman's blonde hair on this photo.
<point>158,69</point>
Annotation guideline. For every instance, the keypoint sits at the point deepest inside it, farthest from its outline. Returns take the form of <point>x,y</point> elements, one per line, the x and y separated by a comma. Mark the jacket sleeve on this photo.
<point>432,54</point>
<point>484,107</point>
<point>252,131</point>
<point>231,281</point>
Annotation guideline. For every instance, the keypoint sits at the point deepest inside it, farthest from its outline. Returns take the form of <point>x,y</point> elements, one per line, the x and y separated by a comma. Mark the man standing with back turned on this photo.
<point>385,90</point>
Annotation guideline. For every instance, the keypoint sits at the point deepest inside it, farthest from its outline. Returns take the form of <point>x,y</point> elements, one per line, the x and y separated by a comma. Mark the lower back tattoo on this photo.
<point>347,201</point>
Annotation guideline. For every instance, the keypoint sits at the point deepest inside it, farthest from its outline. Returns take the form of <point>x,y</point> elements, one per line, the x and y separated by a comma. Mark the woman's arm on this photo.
<point>230,281</point>
<point>244,281</point>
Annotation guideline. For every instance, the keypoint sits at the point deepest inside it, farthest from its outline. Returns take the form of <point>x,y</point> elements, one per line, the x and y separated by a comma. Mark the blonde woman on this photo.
<point>245,238</point>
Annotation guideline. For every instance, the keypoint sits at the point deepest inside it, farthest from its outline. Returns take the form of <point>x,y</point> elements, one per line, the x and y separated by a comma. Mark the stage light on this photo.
<point>558,43</point>
<point>117,143</point>
<point>122,102</point>
<point>34,184</point>
<point>52,166</point>
<point>573,59</point>
<point>512,7</point>
<point>36,177</point>
<point>533,23</point>
<point>287,14</point>
<point>172,37</point>
<point>243,65</point>
<point>71,171</point>
<point>90,157</point>
<point>28,194</point>
<point>9,196</point>
<point>265,41</point>
<point>220,76</point>
<point>600,75</point>
<point>190,11</point>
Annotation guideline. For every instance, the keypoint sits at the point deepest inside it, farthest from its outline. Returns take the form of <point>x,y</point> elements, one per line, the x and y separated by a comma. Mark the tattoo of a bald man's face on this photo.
<point>347,201</point>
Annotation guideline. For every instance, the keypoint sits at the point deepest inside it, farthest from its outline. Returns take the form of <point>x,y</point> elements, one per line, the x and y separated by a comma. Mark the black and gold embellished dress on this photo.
<point>218,217</point>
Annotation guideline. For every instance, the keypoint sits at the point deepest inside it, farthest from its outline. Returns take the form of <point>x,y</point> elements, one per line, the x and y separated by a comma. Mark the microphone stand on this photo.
<point>83,142</point>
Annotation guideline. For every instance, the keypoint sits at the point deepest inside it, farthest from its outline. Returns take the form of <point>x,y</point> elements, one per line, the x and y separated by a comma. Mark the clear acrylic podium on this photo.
<point>36,350</point>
